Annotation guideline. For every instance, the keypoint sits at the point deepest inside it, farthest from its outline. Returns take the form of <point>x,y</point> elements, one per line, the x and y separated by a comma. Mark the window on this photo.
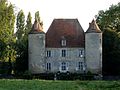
<point>63,66</point>
<point>100,41</point>
<point>63,42</point>
<point>80,66</point>
<point>63,53</point>
<point>81,53</point>
<point>48,66</point>
<point>48,53</point>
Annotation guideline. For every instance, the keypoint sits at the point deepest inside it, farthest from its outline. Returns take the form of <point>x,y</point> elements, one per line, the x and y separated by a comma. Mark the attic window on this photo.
<point>63,42</point>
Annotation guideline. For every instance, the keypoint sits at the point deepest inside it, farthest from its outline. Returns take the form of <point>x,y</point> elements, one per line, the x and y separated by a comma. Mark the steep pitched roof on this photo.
<point>36,28</point>
<point>70,29</point>
<point>93,27</point>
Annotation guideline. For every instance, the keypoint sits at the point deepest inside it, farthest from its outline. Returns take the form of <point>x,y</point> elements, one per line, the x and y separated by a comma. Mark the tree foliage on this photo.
<point>7,39</point>
<point>111,52</point>
<point>20,25</point>
<point>110,18</point>
<point>109,23</point>
<point>28,26</point>
<point>21,44</point>
<point>21,64</point>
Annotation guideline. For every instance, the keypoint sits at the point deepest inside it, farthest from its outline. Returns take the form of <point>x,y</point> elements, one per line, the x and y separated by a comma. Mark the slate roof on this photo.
<point>70,29</point>
<point>93,27</point>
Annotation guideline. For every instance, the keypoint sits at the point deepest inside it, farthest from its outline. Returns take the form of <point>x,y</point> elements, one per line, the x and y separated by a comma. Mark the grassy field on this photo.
<point>58,85</point>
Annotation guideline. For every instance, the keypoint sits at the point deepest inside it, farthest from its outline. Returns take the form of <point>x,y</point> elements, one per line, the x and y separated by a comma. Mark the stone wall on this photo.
<point>93,52</point>
<point>36,53</point>
<point>91,58</point>
<point>72,58</point>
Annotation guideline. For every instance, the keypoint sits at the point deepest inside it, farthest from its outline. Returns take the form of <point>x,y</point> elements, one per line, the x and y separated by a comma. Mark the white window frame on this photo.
<point>64,53</point>
<point>48,53</point>
<point>63,42</point>
<point>81,53</point>
<point>48,66</point>
<point>80,66</point>
<point>64,66</point>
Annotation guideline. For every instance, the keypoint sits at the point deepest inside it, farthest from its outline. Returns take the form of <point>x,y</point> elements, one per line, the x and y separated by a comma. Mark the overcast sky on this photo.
<point>84,10</point>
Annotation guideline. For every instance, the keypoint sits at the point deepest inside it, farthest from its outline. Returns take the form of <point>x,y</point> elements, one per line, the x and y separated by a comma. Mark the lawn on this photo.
<point>58,85</point>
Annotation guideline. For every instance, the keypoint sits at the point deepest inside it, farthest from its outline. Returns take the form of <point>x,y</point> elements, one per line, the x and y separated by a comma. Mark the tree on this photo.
<point>28,26</point>
<point>110,18</point>
<point>21,64</point>
<point>20,45</point>
<point>109,23</point>
<point>20,25</point>
<point>7,39</point>
<point>111,52</point>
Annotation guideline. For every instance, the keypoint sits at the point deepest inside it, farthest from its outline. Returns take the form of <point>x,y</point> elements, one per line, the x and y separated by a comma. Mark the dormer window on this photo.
<point>63,41</point>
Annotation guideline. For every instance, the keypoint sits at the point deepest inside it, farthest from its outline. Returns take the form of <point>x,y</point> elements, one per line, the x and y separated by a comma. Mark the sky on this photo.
<point>83,10</point>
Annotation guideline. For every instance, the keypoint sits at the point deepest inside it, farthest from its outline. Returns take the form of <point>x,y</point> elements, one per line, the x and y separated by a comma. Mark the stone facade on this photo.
<point>71,59</point>
<point>93,47</point>
<point>36,52</point>
<point>76,57</point>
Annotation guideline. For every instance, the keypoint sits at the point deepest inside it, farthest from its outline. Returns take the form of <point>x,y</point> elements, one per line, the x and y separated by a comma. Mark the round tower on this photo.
<point>36,49</point>
<point>93,48</point>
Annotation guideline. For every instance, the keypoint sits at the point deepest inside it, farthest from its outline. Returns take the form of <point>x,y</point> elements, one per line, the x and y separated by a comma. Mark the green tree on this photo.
<point>111,52</point>
<point>20,45</point>
<point>21,64</point>
<point>7,39</point>
<point>20,25</point>
<point>109,23</point>
<point>28,26</point>
<point>110,18</point>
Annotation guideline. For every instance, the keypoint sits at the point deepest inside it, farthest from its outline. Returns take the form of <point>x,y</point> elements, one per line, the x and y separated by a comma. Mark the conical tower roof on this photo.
<point>93,27</point>
<point>36,28</point>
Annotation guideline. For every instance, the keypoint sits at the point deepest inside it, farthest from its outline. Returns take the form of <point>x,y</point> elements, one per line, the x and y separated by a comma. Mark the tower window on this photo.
<point>63,42</point>
<point>63,53</point>
<point>48,53</point>
<point>100,41</point>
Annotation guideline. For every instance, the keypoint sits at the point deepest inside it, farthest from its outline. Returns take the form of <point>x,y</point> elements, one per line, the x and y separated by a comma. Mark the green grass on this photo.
<point>6,84</point>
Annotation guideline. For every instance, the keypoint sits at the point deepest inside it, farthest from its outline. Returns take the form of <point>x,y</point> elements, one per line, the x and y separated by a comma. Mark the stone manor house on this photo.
<point>65,47</point>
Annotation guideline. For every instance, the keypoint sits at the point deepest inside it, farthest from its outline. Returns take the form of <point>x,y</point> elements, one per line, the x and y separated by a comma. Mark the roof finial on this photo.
<point>37,28</point>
